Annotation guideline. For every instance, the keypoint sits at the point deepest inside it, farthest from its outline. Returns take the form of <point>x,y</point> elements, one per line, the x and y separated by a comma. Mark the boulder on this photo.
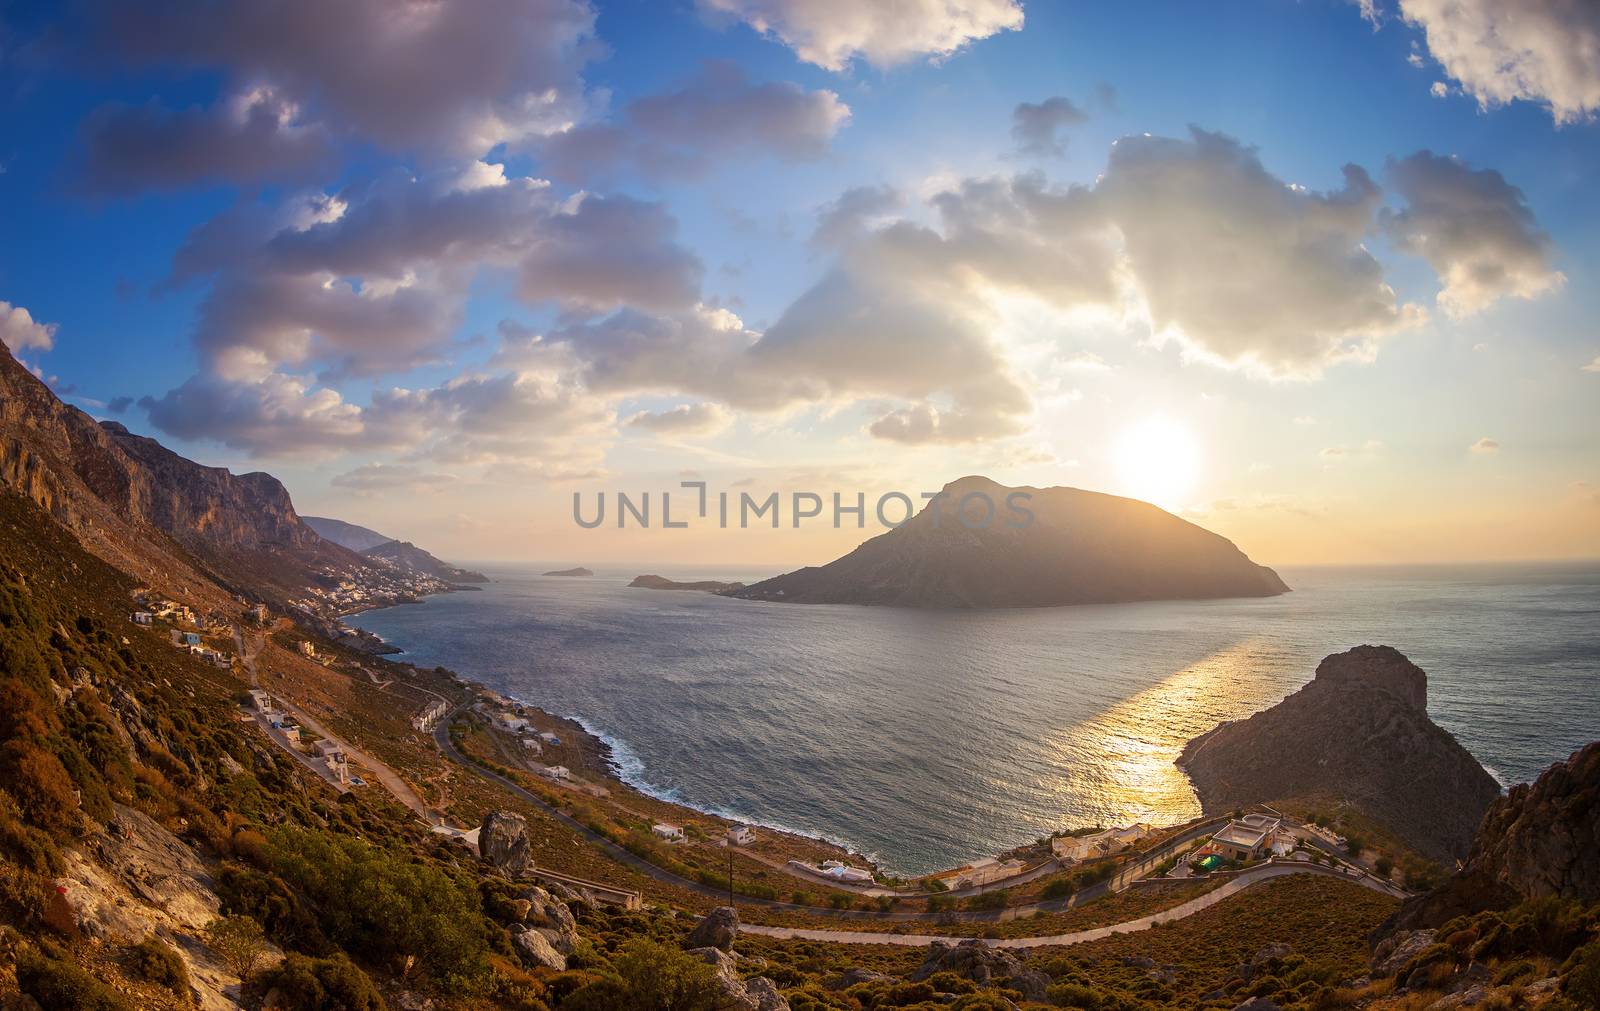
<point>1394,951</point>
<point>765,993</point>
<point>716,930</point>
<point>550,917</point>
<point>536,950</point>
<point>977,961</point>
<point>850,977</point>
<point>503,843</point>
<point>1262,959</point>
<point>759,994</point>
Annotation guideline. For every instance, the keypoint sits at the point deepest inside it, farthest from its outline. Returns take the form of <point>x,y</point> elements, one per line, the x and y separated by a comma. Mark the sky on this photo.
<point>1316,275</point>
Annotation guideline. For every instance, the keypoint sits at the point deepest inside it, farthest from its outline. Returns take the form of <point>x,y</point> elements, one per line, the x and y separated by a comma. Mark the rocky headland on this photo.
<point>649,582</point>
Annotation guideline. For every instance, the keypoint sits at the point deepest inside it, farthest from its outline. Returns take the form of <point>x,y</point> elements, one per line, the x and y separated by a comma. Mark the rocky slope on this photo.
<point>1540,839</point>
<point>147,509</point>
<point>1359,731</point>
<point>356,538</point>
<point>1081,547</point>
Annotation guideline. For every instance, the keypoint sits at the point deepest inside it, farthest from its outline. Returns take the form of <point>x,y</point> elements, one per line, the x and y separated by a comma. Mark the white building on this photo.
<point>556,772</point>
<point>551,739</point>
<point>986,872</point>
<point>263,702</point>
<point>429,717</point>
<point>511,723</point>
<point>741,835</point>
<point>1247,838</point>
<point>841,871</point>
<point>1107,842</point>
<point>142,617</point>
<point>669,832</point>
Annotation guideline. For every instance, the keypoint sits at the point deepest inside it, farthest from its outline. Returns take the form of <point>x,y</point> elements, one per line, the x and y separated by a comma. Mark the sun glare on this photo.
<point>1158,460</point>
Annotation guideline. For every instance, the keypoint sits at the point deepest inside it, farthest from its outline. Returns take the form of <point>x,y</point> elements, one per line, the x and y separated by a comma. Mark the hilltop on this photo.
<point>650,582</point>
<point>1360,732</point>
<point>1081,547</point>
<point>390,550</point>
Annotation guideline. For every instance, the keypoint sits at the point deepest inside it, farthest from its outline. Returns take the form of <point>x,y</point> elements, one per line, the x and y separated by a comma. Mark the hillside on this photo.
<point>1082,547</point>
<point>149,510</point>
<point>651,582</point>
<point>348,535</point>
<point>1358,731</point>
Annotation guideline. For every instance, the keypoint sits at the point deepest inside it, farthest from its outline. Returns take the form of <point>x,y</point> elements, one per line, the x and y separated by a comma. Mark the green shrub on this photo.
<point>1073,995</point>
<point>652,977</point>
<point>158,962</point>
<point>322,984</point>
<point>239,941</point>
<point>1582,975</point>
<point>62,986</point>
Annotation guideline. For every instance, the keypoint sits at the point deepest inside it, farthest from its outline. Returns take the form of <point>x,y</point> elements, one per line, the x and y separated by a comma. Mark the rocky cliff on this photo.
<point>1359,731</point>
<point>1540,839</point>
<point>147,509</point>
<point>389,550</point>
<point>1078,547</point>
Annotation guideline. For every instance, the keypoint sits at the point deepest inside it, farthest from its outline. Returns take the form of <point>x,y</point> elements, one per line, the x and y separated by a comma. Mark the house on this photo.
<point>330,752</point>
<point>510,723</point>
<point>260,613</point>
<point>557,772</point>
<point>985,872</point>
<point>1107,842</point>
<point>290,730</point>
<point>263,701</point>
<point>741,835</point>
<point>429,717</point>
<point>671,833</point>
<point>1247,838</point>
<point>840,871</point>
<point>307,649</point>
<point>191,638</point>
<point>533,745</point>
<point>551,739</point>
<point>142,617</point>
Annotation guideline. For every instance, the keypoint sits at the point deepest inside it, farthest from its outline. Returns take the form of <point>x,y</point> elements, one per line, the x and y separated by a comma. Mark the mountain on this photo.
<point>1081,547</point>
<point>409,556</point>
<point>150,511</point>
<point>663,583</point>
<point>1358,731</point>
<point>357,539</point>
<point>580,571</point>
<point>1540,839</point>
<point>373,545</point>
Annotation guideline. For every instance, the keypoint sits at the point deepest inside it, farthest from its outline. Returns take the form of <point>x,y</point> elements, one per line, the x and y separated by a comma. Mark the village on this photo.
<point>379,583</point>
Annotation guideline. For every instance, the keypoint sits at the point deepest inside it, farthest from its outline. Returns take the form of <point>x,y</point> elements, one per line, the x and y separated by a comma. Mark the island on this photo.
<point>980,544</point>
<point>579,571</point>
<point>703,585</point>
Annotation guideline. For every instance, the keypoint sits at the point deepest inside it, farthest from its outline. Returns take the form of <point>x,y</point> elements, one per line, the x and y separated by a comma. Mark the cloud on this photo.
<point>1593,366</point>
<point>1485,446</point>
<point>1475,230</point>
<point>21,332</point>
<point>279,415</point>
<point>1245,268</point>
<point>1541,51</point>
<point>252,138</point>
<point>374,279</point>
<point>1037,128</point>
<point>386,478</point>
<point>685,420</point>
<point>718,116</point>
<point>119,405</point>
<point>831,33</point>
<point>450,79</point>
<point>1355,451</point>
<point>846,218</point>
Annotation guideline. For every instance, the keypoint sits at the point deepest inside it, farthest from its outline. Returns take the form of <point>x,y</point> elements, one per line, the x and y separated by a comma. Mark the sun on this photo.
<point>1158,460</point>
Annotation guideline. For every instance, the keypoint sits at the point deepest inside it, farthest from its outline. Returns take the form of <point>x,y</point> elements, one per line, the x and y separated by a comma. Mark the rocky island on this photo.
<point>1081,547</point>
<point>578,572</point>
<point>1360,733</point>
<point>648,582</point>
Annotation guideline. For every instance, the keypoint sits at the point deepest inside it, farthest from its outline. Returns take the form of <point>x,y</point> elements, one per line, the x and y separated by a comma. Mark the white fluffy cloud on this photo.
<point>413,75</point>
<point>21,332</point>
<point>1500,51</point>
<point>1485,447</point>
<point>253,137</point>
<point>831,33</point>
<point>717,115</point>
<point>374,279</point>
<point>1475,230</point>
<point>684,420</point>
<point>1244,267</point>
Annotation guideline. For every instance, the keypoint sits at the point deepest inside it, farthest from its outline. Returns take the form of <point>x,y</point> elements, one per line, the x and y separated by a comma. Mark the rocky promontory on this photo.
<point>1360,732</point>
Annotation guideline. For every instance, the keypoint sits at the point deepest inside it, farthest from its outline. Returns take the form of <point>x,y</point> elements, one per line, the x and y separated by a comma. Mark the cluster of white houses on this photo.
<point>331,754</point>
<point>1072,849</point>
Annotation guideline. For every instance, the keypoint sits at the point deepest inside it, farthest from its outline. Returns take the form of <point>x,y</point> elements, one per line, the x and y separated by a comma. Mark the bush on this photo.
<point>1073,995</point>
<point>1582,982</point>
<point>158,962</point>
<point>62,986</point>
<point>652,977</point>
<point>239,941</point>
<point>322,984</point>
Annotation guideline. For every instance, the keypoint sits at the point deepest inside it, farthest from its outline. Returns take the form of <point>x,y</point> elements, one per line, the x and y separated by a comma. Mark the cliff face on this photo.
<point>1081,547</point>
<point>147,509</point>
<point>1540,839</point>
<point>1360,731</point>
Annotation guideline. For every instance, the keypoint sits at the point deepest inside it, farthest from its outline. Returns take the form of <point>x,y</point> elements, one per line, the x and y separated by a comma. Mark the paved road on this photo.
<point>1245,880</point>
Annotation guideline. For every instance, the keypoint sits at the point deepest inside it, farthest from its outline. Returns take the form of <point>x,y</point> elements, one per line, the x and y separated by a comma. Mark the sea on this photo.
<point>925,739</point>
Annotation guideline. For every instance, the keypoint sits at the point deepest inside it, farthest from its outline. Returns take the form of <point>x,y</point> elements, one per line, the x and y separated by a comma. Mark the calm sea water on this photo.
<point>926,739</point>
